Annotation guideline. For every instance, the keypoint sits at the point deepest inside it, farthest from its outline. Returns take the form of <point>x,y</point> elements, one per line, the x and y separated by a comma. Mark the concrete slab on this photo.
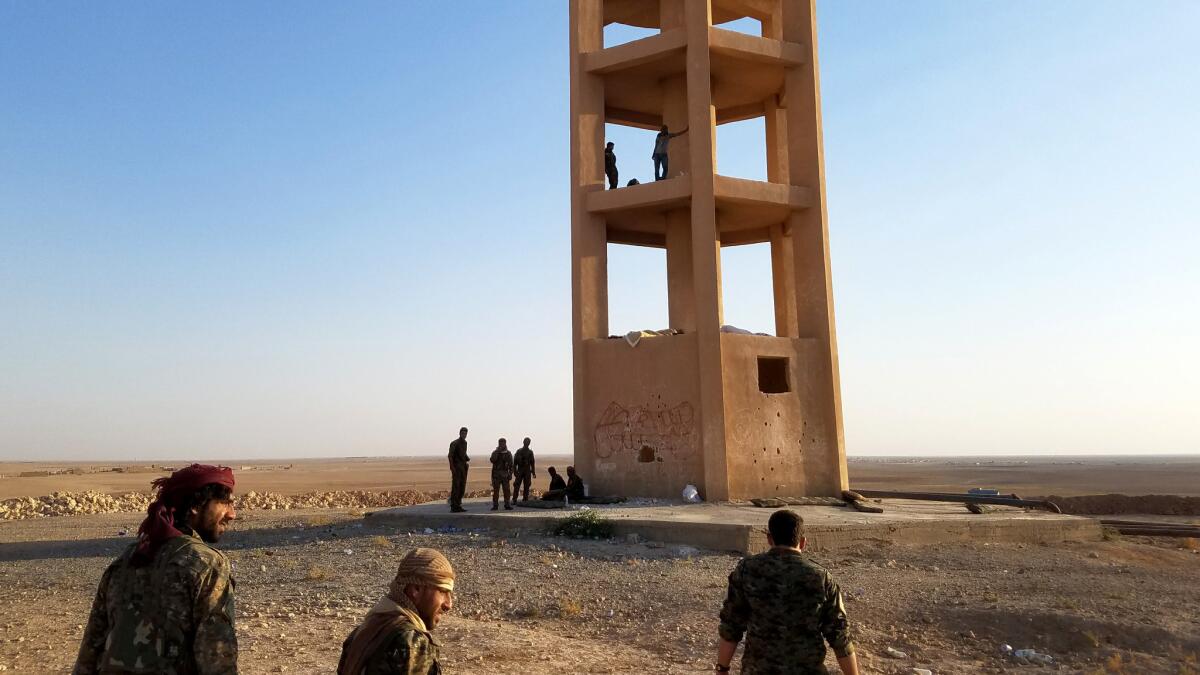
<point>729,527</point>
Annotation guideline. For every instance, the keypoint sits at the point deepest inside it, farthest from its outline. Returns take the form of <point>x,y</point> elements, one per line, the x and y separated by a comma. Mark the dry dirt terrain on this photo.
<point>542,604</point>
<point>33,479</point>
<point>1027,476</point>
<point>1032,476</point>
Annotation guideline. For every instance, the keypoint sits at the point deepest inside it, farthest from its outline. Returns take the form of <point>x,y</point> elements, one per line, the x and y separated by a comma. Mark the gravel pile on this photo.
<point>81,503</point>
<point>361,499</point>
<point>71,504</point>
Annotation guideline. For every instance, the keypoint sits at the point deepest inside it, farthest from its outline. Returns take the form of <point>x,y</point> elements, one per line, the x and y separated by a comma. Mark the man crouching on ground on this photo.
<point>166,605</point>
<point>787,606</point>
<point>395,637</point>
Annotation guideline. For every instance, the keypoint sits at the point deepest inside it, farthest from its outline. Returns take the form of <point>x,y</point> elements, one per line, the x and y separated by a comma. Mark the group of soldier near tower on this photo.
<point>166,604</point>
<point>506,466</point>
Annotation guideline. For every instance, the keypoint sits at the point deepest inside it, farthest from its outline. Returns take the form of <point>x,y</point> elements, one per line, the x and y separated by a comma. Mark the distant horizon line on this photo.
<point>251,460</point>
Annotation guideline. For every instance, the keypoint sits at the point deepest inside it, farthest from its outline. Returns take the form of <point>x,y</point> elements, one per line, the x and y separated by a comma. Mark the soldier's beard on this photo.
<point>428,604</point>
<point>208,525</point>
<point>208,532</point>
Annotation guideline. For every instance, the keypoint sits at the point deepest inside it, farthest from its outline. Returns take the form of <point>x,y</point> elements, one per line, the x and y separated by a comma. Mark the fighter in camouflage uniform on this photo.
<point>459,464</point>
<point>502,472</point>
<point>786,606</point>
<point>395,637</point>
<point>166,605</point>
<point>523,465</point>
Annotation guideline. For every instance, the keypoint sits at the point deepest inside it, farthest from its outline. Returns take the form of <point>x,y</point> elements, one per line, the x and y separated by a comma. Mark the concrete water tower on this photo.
<point>737,415</point>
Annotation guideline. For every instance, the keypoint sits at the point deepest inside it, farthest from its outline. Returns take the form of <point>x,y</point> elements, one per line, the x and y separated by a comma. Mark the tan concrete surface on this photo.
<point>741,528</point>
<point>650,407</point>
<point>746,209</point>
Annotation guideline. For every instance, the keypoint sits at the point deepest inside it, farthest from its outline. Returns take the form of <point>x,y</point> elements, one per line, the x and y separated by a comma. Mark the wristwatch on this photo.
<point>720,668</point>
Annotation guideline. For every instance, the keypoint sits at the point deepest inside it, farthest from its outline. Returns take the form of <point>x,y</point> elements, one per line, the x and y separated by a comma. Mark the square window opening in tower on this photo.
<point>620,33</point>
<point>742,149</point>
<point>747,288</point>
<point>773,375</point>
<point>637,288</point>
<point>746,24</point>
<point>632,147</point>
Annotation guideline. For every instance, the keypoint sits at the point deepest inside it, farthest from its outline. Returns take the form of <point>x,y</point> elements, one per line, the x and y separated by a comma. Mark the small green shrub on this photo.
<point>584,524</point>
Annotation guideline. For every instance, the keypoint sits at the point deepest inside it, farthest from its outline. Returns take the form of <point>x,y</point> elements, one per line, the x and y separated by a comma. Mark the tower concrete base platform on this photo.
<point>728,527</point>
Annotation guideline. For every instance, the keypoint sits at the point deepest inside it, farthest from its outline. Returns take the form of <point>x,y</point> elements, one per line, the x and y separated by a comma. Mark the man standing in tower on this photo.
<point>661,141</point>
<point>610,166</point>
<point>525,471</point>
<point>502,471</point>
<point>166,605</point>
<point>458,470</point>
<point>786,606</point>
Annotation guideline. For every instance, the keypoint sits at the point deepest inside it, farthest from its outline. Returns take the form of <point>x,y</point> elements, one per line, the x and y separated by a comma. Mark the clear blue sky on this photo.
<point>245,230</point>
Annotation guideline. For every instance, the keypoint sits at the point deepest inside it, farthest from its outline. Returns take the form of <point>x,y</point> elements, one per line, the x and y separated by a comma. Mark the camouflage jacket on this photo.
<point>458,451</point>
<point>523,461</point>
<point>407,651</point>
<point>787,606</point>
<point>173,616</point>
<point>502,464</point>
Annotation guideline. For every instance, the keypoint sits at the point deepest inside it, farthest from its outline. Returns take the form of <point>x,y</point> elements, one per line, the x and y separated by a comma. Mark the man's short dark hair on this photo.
<point>786,527</point>
<point>462,430</point>
<point>199,499</point>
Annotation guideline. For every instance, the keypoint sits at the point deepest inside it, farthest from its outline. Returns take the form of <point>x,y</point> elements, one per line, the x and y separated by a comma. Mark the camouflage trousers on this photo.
<point>521,485</point>
<point>458,483</point>
<point>497,483</point>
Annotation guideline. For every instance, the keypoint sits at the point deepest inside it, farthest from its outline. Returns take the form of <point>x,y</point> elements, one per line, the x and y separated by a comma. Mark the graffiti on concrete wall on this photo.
<point>648,432</point>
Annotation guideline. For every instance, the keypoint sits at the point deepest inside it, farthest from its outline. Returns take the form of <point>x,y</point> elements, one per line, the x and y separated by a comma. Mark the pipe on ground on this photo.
<point>963,499</point>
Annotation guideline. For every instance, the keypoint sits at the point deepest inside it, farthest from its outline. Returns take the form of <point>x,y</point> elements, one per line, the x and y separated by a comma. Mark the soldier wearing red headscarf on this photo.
<point>166,604</point>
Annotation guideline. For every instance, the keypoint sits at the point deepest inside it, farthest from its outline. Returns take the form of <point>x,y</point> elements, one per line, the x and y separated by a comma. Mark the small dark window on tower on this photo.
<point>773,375</point>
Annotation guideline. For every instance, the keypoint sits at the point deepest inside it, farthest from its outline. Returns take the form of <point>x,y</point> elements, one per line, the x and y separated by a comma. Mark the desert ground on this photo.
<point>1032,476</point>
<point>536,603</point>
<point>286,476</point>
<point>1027,476</point>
